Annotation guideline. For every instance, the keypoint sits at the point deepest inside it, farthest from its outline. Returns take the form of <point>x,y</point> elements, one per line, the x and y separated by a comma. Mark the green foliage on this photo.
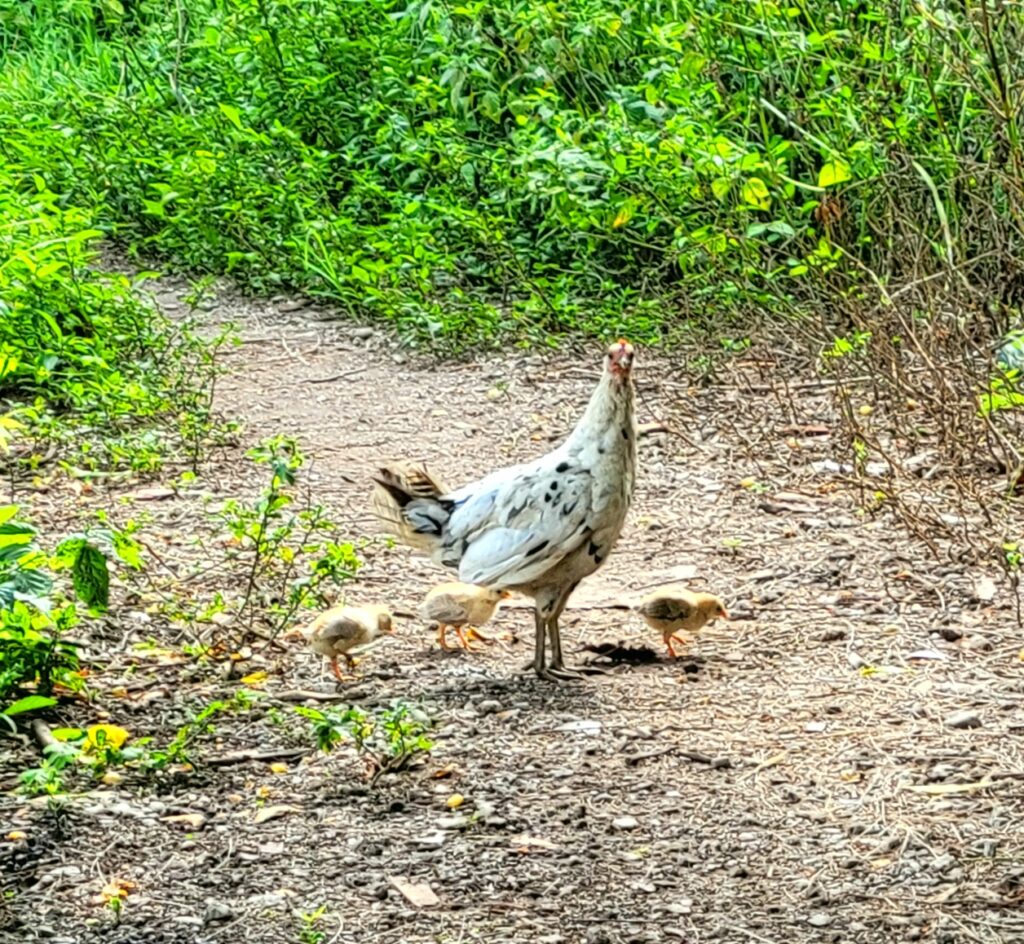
<point>523,169</point>
<point>31,625</point>
<point>388,738</point>
<point>101,748</point>
<point>76,346</point>
<point>292,556</point>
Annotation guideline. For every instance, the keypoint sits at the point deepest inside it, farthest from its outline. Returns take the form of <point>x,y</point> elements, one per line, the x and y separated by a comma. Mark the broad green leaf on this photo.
<point>721,186</point>
<point>91,578</point>
<point>755,193</point>
<point>7,512</point>
<point>232,114</point>
<point>832,173</point>
<point>29,703</point>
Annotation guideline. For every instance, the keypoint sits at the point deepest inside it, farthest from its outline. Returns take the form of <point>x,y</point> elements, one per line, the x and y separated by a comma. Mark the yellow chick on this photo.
<point>671,609</point>
<point>337,630</point>
<point>460,606</point>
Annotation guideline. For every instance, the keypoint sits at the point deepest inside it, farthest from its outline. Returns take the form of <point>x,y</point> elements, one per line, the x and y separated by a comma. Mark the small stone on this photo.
<point>625,822</point>
<point>963,719</point>
<point>584,726</point>
<point>362,333</point>
<point>940,772</point>
<point>819,920</point>
<point>293,304</point>
<point>453,822</point>
<point>489,707</point>
<point>432,840</point>
<point>976,644</point>
<point>217,911</point>
<point>943,863</point>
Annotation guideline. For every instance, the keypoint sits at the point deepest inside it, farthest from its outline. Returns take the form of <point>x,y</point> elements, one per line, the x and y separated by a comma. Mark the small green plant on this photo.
<point>291,556</point>
<point>310,933</point>
<point>388,739</point>
<point>101,748</point>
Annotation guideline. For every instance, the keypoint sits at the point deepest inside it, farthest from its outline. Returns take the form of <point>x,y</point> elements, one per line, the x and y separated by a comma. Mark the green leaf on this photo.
<point>232,114</point>
<point>755,193</point>
<point>91,578</point>
<point>29,703</point>
<point>832,173</point>
<point>720,187</point>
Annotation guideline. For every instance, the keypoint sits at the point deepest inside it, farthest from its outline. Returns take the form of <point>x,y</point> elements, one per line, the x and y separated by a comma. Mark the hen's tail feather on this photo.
<point>408,502</point>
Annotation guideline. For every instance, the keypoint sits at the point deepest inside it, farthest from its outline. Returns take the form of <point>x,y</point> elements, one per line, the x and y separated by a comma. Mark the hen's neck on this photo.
<point>609,415</point>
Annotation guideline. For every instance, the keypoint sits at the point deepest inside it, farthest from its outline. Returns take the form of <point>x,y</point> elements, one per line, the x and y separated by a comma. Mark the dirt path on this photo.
<point>794,780</point>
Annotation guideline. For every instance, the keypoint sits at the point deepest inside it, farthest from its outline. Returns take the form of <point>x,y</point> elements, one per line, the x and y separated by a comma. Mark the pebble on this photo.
<point>217,911</point>
<point>489,707</point>
<point>963,719</point>
<point>941,772</point>
<point>943,863</point>
<point>819,920</point>
<point>976,644</point>
<point>584,726</point>
<point>625,822</point>
<point>362,333</point>
<point>432,840</point>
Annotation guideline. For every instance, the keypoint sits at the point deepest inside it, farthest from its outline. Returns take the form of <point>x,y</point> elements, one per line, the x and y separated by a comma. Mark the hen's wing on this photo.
<point>515,525</point>
<point>444,608</point>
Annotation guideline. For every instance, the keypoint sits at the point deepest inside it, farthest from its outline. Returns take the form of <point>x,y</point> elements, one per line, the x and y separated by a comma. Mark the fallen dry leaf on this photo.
<point>105,735</point>
<point>985,589</point>
<point>455,801</point>
<point>418,894</point>
<point>274,812</point>
<point>526,843</point>
<point>16,835</point>
<point>278,768</point>
<point>254,678</point>
<point>115,888</point>
<point>945,789</point>
<point>446,771</point>
<point>188,820</point>
<point>152,493</point>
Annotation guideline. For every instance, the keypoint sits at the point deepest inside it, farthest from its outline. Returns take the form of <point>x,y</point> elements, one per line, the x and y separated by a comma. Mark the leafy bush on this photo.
<point>517,168</point>
<point>82,359</point>
<point>31,622</point>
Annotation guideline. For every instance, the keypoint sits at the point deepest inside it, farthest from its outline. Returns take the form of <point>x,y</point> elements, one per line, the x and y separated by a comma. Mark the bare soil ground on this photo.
<point>800,776</point>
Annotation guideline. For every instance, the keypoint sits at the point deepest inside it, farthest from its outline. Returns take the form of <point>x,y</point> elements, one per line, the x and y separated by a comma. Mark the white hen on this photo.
<point>537,528</point>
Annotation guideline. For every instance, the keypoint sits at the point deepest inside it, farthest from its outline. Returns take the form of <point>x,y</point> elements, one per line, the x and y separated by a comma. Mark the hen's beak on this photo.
<point>621,357</point>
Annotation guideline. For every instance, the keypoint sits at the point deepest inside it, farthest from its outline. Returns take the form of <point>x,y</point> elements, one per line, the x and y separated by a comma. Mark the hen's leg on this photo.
<point>538,643</point>
<point>557,667</point>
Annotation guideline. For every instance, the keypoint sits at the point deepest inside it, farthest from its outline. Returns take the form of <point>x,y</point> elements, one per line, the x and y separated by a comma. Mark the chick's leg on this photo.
<point>461,633</point>
<point>442,639</point>
<point>670,641</point>
<point>473,633</point>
